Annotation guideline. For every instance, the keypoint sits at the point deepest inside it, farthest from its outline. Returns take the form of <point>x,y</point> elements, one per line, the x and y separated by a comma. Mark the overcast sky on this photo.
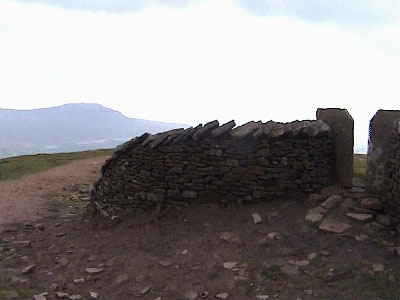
<point>196,61</point>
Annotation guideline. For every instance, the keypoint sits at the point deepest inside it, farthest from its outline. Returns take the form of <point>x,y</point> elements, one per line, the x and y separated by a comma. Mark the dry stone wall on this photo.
<point>254,162</point>
<point>390,190</point>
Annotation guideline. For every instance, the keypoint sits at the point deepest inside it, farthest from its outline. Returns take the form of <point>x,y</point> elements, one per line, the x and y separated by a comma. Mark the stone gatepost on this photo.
<point>382,144</point>
<point>342,128</point>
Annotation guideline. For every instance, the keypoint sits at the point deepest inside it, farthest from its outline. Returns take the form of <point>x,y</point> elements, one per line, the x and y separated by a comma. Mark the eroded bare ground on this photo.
<point>25,199</point>
<point>202,251</point>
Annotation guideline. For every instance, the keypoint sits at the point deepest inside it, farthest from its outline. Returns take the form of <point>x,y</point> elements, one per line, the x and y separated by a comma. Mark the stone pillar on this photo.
<point>381,146</point>
<point>342,127</point>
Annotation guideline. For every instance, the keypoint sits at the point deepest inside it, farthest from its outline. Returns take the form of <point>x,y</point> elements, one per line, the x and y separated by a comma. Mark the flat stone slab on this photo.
<point>315,214</point>
<point>332,225</point>
<point>223,129</point>
<point>371,203</point>
<point>360,217</point>
<point>244,130</point>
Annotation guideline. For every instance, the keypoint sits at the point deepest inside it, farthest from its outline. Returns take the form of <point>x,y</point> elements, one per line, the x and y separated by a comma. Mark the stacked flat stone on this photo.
<point>252,162</point>
<point>391,191</point>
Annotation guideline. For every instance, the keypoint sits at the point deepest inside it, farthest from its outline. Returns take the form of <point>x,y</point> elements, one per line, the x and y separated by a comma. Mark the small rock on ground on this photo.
<point>229,264</point>
<point>62,295</point>
<point>93,295</point>
<point>190,295</point>
<point>332,202</point>
<point>378,267</point>
<point>121,278</point>
<point>299,263</point>
<point>316,214</point>
<point>145,290</point>
<point>28,269</point>
<point>274,236</point>
<point>332,225</point>
<point>222,296</point>
<point>94,270</point>
<point>256,218</point>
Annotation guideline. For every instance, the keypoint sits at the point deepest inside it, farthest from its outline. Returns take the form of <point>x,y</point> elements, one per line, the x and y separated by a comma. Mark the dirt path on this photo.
<point>22,200</point>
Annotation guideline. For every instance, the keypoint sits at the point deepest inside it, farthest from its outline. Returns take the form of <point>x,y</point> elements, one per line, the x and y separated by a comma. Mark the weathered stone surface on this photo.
<point>277,130</point>
<point>378,267</point>
<point>380,147</point>
<point>190,295</point>
<point>62,295</point>
<point>222,296</point>
<point>316,214</point>
<point>205,130</point>
<point>315,199</point>
<point>384,220</point>
<point>28,269</point>
<point>244,130</point>
<point>360,217</point>
<point>274,236</point>
<point>299,263</point>
<point>121,278</point>
<point>267,128</point>
<point>190,133</point>
<point>332,225</point>
<point>371,204</point>
<point>189,194</point>
<point>229,264</point>
<point>341,125</point>
<point>94,270</point>
<point>332,202</point>
<point>256,218</point>
<point>223,129</point>
<point>256,134</point>
<point>178,169</point>
<point>347,205</point>
<point>180,137</point>
<point>145,290</point>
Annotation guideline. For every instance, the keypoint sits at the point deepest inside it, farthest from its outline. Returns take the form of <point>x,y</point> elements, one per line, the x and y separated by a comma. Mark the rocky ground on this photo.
<point>334,245</point>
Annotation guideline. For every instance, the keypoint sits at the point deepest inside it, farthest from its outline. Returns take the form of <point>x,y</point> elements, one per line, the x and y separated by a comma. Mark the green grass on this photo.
<point>360,168</point>
<point>16,167</point>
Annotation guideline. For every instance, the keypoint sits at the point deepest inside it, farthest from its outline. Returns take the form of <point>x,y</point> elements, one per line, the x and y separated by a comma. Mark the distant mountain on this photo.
<point>70,127</point>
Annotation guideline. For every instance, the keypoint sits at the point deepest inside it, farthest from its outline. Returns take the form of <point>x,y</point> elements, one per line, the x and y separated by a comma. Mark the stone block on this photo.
<point>380,147</point>
<point>189,194</point>
<point>341,125</point>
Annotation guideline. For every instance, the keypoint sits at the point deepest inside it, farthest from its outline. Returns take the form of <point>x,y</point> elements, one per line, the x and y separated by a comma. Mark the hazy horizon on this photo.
<point>360,146</point>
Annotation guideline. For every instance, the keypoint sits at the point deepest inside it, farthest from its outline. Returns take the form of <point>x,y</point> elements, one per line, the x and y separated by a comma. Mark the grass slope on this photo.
<point>16,167</point>
<point>360,168</point>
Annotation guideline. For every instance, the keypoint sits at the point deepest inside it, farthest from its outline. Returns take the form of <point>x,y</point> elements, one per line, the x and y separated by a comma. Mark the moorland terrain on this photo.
<point>50,248</point>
